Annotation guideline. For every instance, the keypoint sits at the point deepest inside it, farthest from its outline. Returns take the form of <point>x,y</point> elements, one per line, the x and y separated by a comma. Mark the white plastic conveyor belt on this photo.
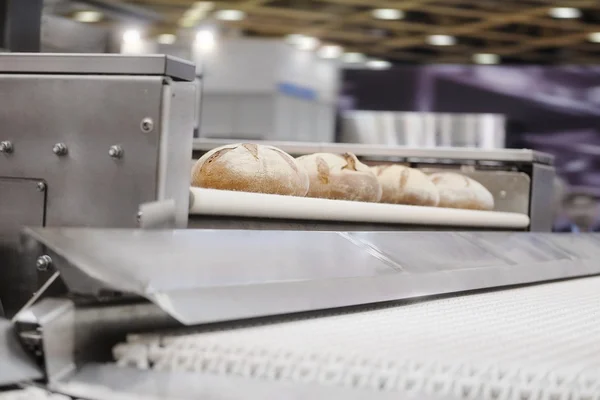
<point>240,204</point>
<point>539,342</point>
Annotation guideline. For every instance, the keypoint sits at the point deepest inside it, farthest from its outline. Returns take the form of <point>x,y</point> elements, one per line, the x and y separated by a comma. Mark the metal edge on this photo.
<point>176,133</point>
<point>471,154</point>
<point>249,301</point>
<point>105,64</point>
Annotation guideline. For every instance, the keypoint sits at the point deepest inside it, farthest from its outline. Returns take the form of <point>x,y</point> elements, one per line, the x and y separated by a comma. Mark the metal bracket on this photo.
<point>157,215</point>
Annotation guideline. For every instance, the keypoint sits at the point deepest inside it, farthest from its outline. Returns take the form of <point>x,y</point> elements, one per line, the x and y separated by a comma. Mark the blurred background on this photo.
<point>426,73</point>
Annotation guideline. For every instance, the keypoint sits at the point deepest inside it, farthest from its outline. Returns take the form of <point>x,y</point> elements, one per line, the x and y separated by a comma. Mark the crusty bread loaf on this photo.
<point>340,177</point>
<point>458,191</point>
<point>250,168</point>
<point>404,185</point>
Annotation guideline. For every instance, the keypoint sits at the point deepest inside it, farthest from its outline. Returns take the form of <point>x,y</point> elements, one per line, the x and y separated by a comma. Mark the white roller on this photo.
<point>256,205</point>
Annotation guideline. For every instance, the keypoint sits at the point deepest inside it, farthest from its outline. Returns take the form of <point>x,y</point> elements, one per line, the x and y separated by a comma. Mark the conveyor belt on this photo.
<point>538,342</point>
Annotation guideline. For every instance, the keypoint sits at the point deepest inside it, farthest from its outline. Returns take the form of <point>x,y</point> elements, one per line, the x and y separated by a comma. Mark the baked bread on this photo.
<point>340,177</point>
<point>249,167</point>
<point>404,185</point>
<point>458,191</point>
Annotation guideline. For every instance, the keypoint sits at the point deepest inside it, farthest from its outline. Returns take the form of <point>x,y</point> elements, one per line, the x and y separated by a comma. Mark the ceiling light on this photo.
<point>378,64</point>
<point>441,40</point>
<point>166,38</point>
<point>303,42</point>
<point>230,15</point>
<point>388,13</point>
<point>88,16</point>
<point>565,12</point>
<point>307,43</point>
<point>131,36</point>
<point>294,38</point>
<point>330,51</point>
<point>486,58</point>
<point>205,39</point>
<point>353,58</point>
<point>594,37</point>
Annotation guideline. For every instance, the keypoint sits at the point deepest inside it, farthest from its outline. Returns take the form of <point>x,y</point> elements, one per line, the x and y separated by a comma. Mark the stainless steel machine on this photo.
<point>85,141</point>
<point>109,297</point>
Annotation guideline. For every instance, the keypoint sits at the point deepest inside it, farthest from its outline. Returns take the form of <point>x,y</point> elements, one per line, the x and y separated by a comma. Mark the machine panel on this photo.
<point>242,274</point>
<point>86,186</point>
<point>21,204</point>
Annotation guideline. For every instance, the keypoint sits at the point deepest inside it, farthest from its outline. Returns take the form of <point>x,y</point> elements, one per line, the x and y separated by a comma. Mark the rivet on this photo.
<point>115,151</point>
<point>6,147</point>
<point>60,149</point>
<point>147,125</point>
<point>43,262</point>
<point>41,186</point>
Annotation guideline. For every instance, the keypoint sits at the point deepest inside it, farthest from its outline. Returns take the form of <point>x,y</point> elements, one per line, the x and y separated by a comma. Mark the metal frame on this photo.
<point>92,64</point>
<point>407,153</point>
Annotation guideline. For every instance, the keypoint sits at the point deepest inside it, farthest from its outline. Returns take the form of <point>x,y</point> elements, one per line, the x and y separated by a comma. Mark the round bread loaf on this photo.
<point>404,185</point>
<point>458,191</point>
<point>340,177</point>
<point>249,167</point>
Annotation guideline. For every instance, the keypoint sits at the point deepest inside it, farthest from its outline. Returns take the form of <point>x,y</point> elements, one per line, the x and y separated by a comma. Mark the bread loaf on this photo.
<point>404,185</point>
<point>458,191</point>
<point>340,177</point>
<point>250,168</point>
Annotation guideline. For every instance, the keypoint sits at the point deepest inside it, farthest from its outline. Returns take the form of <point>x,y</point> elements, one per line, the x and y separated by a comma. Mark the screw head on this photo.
<point>147,125</point>
<point>6,147</point>
<point>41,186</point>
<point>115,151</point>
<point>43,262</point>
<point>60,149</point>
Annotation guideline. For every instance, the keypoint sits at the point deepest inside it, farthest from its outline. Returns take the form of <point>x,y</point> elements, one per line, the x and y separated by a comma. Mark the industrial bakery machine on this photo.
<point>119,281</point>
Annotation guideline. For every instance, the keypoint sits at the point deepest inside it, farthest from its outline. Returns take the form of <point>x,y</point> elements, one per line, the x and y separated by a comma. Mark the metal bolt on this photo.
<point>115,151</point>
<point>147,125</point>
<point>41,186</point>
<point>60,149</point>
<point>6,147</point>
<point>43,262</point>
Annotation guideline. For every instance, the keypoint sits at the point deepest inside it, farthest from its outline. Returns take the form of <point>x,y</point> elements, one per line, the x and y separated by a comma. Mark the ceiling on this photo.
<point>518,31</point>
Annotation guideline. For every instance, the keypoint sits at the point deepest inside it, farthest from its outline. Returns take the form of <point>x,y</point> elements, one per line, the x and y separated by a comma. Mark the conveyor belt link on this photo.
<point>539,342</point>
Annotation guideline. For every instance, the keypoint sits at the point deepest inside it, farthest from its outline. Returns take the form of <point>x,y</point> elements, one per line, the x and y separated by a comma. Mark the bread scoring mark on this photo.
<point>252,148</point>
<point>436,179</point>
<point>404,177</point>
<point>380,168</point>
<point>216,155</point>
<point>351,161</point>
<point>288,159</point>
<point>322,170</point>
